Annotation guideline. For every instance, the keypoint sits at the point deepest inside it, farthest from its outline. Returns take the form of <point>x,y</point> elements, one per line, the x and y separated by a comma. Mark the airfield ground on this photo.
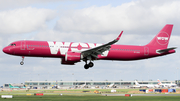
<point>92,98</point>
<point>88,95</point>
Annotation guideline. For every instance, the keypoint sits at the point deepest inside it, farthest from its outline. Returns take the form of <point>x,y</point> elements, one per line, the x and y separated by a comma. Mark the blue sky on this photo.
<point>88,21</point>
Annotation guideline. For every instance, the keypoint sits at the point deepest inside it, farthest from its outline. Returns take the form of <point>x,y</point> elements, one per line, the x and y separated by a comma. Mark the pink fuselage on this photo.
<point>45,49</point>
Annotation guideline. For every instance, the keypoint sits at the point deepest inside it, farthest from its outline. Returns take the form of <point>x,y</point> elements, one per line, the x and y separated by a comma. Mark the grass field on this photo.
<point>81,95</point>
<point>92,98</point>
<point>68,91</point>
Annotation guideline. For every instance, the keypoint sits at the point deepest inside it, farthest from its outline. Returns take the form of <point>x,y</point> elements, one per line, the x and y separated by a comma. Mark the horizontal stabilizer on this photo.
<point>166,50</point>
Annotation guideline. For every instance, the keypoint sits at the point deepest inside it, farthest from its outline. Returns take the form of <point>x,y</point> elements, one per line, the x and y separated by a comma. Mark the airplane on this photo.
<point>111,85</point>
<point>10,86</point>
<point>166,85</point>
<point>84,85</point>
<point>137,85</point>
<point>71,52</point>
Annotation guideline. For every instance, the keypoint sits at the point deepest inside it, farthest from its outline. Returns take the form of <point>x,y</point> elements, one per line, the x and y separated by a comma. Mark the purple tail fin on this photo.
<point>161,40</point>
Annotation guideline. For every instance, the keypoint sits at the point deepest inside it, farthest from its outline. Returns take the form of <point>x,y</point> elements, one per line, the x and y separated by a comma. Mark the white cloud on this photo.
<point>175,40</point>
<point>9,4</point>
<point>1,41</point>
<point>24,20</point>
<point>129,16</point>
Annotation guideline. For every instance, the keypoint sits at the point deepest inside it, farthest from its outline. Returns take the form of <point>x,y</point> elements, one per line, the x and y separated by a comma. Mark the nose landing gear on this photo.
<point>22,62</point>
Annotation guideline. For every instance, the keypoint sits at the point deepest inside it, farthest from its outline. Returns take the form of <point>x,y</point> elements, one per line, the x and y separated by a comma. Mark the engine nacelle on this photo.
<point>72,57</point>
<point>66,62</point>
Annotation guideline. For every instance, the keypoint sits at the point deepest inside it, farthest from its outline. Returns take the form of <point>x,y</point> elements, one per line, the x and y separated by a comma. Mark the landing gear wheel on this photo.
<point>21,63</point>
<point>91,64</point>
<point>86,66</point>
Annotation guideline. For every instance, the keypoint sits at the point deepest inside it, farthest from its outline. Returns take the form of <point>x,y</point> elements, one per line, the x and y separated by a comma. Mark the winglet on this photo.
<point>119,36</point>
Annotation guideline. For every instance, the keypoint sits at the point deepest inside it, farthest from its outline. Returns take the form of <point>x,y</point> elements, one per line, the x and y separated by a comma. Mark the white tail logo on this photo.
<point>163,38</point>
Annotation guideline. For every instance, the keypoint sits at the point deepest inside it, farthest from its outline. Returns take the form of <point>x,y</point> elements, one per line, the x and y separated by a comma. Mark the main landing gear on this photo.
<point>22,62</point>
<point>90,64</point>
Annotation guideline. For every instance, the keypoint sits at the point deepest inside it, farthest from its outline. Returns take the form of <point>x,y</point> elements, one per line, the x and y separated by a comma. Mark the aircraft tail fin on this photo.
<point>10,85</point>
<point>159,82</point>
<point>136,82</point>
<point>161,40</point>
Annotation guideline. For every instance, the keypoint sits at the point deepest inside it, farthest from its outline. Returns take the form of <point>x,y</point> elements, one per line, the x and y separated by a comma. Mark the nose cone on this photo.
<point>6,50</point>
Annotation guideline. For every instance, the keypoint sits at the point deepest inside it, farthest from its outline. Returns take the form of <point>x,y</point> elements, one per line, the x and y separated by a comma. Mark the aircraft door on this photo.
<point>146,51</point>
<point>23,45</point>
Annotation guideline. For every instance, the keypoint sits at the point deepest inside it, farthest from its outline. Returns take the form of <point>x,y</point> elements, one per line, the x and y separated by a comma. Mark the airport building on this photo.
<point>177,82</point>
<point>89,84</point>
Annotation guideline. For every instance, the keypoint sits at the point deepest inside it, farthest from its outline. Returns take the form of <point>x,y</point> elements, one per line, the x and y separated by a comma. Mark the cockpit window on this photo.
<point>12,45</point>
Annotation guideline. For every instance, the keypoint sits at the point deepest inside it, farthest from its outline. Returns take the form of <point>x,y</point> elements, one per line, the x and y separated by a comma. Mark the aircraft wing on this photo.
<point>166,50</point>
<point>93,53</point>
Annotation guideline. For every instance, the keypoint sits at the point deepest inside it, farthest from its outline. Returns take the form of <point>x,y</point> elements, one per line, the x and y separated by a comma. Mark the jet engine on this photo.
<point>72,57</point>
<point>66,62</point>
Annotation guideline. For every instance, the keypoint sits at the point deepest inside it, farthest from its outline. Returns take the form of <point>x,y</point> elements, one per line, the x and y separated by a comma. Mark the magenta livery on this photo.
<point>71,52</point>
